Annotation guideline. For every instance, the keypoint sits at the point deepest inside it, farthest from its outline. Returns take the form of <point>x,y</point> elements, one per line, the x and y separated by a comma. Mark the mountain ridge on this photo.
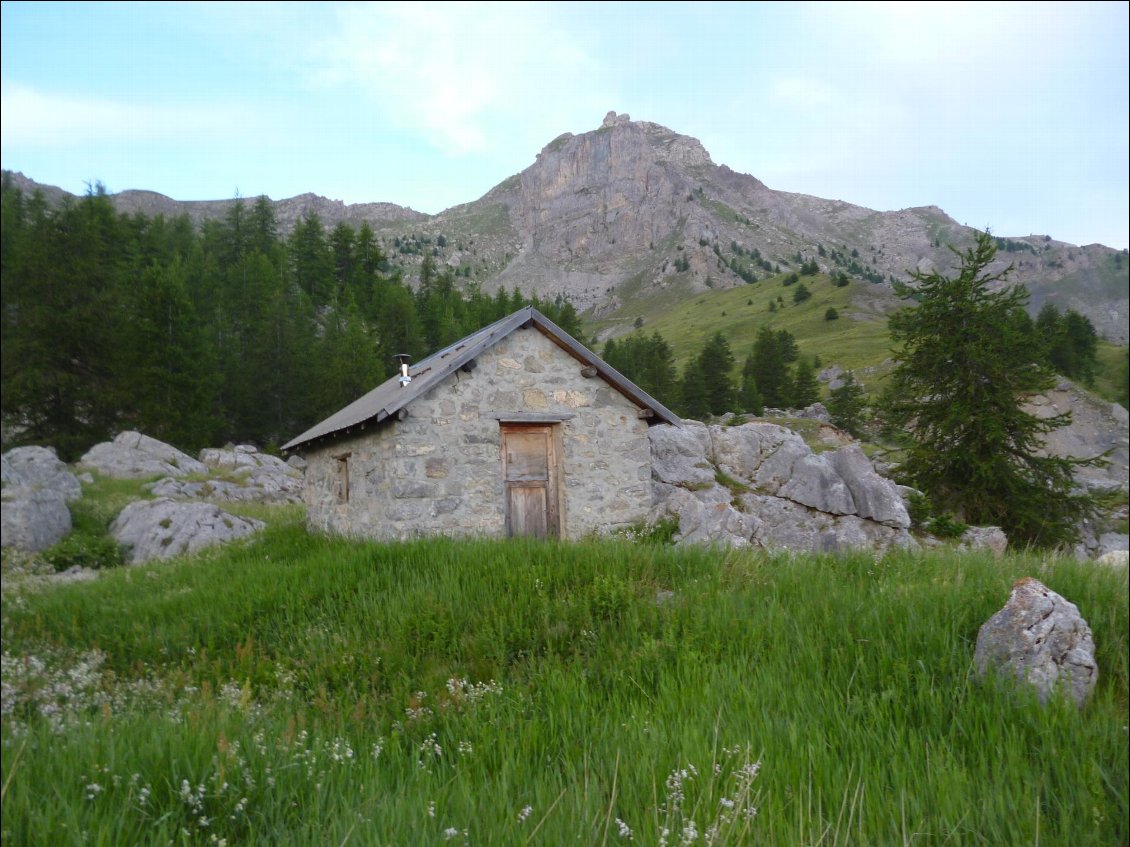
<point>634,212</point>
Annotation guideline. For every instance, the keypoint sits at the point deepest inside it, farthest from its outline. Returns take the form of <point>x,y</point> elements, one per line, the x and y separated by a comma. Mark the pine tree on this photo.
<point>966,367</point>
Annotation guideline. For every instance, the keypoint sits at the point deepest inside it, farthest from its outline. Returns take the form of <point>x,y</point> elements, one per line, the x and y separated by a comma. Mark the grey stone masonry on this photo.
<point>439,470</point>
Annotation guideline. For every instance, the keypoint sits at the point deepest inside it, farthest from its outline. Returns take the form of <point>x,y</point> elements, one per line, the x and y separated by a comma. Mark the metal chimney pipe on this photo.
<point>403,359</point>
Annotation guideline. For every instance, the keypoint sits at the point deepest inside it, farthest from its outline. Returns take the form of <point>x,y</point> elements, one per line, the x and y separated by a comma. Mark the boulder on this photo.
<point>163,528</point>
<point>242,457</point>
<point>135,456</point>
<point>780,494</point>
<point>32,519</point>
<point>1115,558</point>
<point>1040,639</point>
<point>990,538</point>
<point>39,467</point>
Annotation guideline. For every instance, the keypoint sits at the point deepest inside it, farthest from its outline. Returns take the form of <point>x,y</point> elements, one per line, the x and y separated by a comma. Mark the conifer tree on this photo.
<point>966,367</point>
<point>749,397</point>
<point>846,404</point>
<point>806,389</point>
<point>717,364</point>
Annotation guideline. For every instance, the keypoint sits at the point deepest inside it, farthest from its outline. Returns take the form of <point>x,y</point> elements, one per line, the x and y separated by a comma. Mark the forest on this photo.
<point>198,336</point>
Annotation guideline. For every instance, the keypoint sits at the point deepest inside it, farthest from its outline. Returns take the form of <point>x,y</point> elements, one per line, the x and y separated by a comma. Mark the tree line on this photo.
<point>226,332</point>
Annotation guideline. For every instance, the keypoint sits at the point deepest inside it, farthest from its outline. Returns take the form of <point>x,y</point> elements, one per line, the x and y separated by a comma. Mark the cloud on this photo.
<point>33,118</point>
<point>451,72</point>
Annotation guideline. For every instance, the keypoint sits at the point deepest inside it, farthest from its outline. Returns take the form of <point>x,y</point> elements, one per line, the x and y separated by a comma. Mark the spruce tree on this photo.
<point>965,368</point>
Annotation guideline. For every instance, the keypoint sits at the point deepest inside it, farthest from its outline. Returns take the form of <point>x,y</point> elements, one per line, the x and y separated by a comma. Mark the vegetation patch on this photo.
<point>306,690</point>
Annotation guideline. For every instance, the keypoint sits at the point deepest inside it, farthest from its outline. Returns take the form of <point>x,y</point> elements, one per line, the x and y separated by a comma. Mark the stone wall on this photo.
<point>439,471</point>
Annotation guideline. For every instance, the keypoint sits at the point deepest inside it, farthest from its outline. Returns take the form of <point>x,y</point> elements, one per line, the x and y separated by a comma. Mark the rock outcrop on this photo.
<point>251,477</point>
<point>132,455</point>
<point>759,484</point>
<point>1040,639</point>
<point>163,528</point>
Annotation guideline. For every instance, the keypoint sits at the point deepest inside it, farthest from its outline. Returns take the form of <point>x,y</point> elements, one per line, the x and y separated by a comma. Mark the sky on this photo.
<point>1013,116</point>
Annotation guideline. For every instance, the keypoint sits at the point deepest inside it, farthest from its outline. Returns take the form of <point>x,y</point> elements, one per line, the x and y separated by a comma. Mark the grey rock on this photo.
<point>240,457</point>
<point>132,455</point>
<point>817,411</point>
<point>794,498</point>
<point>1040,639</point>
<point>679,456</point>
<point>875,497</point>
<point>163,528</point>
<point>39,467</point>
<point>297,462</point>
<point>32,519</point>
<point>260,485</point>
<point>741,450</point>
<point>990,538</point>
<point>1115,558</point>
<point>1112,542</point>
<point>8,475</point>
<point>814,482</point>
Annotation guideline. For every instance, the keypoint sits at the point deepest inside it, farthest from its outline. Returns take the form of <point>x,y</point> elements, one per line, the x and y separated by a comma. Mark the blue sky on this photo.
<point>1012,116</point>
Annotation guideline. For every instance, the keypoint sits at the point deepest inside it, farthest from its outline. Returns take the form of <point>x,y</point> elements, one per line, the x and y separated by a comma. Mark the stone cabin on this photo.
<point>517,429</point>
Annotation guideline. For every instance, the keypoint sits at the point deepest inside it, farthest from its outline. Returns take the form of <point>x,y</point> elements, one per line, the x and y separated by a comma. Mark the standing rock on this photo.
<point>135,456</point>
<point>162,528</point>
<point>1041,639</point>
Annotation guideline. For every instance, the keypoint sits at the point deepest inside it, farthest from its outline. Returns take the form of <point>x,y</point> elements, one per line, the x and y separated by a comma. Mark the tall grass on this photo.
<point>312,691</point>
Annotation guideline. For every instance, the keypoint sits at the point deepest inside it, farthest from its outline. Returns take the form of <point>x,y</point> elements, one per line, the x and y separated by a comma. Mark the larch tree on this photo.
<point>965,369</point>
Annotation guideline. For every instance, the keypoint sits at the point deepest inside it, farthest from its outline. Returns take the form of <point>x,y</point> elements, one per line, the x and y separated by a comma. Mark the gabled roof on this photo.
<point>388,398</point>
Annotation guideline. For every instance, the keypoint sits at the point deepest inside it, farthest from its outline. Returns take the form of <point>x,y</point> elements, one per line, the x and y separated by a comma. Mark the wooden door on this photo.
<point>529,474</point>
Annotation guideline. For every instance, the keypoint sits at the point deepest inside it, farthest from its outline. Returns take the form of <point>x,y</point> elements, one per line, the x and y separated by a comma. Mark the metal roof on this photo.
<point>388,398</point>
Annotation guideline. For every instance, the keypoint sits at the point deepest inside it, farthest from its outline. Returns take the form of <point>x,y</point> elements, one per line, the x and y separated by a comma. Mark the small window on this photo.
<point>341,477</point>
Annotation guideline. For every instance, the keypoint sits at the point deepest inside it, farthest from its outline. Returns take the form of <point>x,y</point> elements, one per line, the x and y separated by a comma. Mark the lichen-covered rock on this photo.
<point>135,456</point>
<point>39,467</point>
<point>163,528</point>
<point>33,519</point>
<point>1041,639</point>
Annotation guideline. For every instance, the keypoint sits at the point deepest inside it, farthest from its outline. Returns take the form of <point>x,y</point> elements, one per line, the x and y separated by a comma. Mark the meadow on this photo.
<point>308,691</point>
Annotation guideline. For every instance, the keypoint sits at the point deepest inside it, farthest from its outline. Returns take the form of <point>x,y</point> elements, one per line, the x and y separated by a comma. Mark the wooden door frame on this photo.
<point>554,487</point>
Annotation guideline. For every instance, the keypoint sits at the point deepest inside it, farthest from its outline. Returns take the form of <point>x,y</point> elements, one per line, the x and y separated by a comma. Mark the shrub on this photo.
<point>84,552</point>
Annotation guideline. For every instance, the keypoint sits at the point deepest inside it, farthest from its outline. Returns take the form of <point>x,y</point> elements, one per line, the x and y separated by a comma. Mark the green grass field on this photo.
<point>303,690</point>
